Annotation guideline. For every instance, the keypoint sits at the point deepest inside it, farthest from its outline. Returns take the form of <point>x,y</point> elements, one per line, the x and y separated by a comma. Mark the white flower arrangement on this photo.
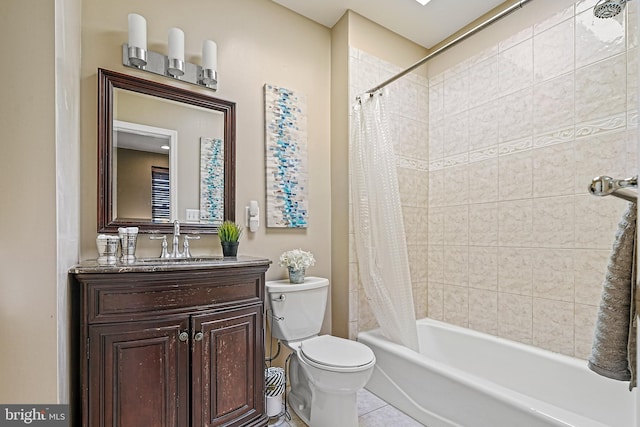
<point>297,259</point>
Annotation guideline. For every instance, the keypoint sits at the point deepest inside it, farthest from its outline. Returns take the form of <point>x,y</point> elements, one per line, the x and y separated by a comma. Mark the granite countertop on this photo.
<point>146,265</point>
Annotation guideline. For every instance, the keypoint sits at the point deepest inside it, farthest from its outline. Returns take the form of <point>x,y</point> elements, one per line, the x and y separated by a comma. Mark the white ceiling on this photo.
<point>424,25</point>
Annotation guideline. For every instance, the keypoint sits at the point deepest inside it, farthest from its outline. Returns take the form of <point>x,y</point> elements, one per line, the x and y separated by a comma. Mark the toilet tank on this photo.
<point>296,311</point>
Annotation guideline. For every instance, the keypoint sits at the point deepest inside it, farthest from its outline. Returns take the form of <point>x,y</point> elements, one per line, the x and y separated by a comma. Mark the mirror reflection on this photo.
<point>166,153</point>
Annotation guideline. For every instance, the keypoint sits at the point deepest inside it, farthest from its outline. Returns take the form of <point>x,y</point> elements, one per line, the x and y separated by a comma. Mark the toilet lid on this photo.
<point>339,352</point>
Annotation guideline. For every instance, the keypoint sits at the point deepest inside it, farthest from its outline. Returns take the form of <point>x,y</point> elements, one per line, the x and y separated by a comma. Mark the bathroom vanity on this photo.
<point>174,342</point>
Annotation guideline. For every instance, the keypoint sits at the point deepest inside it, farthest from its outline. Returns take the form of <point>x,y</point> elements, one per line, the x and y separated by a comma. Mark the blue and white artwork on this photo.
<point>211,180</point>
<point>286,157</point>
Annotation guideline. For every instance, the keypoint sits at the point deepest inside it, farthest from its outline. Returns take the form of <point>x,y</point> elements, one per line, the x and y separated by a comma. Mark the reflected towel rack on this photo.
<point>621,188</point>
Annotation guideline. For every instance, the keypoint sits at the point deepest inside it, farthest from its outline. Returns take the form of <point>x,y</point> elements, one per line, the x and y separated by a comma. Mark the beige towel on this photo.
<point>613,352</point>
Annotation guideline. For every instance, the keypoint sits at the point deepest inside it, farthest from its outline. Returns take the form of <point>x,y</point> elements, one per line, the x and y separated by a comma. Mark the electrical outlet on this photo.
<point>193,215</point>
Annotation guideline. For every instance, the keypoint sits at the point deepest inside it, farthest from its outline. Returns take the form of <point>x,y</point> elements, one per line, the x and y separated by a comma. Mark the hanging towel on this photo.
<point>613,351</point>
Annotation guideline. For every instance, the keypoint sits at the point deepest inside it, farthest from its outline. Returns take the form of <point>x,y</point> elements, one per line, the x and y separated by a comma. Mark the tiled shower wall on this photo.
<point>517,247</point>
<point>407,103</point>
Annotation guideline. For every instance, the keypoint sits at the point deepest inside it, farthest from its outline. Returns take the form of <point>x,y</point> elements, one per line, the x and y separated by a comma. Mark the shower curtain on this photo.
<point>381,247</point>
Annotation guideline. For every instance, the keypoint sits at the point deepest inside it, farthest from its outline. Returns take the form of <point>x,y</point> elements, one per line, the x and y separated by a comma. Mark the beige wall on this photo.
<point>258,42</point>
<point>28,319</point>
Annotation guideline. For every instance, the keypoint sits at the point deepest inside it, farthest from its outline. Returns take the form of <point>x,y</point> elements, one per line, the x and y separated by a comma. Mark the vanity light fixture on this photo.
<point>136,55</point>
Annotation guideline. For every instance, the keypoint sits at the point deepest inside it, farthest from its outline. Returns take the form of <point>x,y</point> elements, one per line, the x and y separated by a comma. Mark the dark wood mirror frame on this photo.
<point>107,81</point>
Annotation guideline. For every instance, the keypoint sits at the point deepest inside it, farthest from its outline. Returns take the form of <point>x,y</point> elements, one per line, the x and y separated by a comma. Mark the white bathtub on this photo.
<point>466,378</point>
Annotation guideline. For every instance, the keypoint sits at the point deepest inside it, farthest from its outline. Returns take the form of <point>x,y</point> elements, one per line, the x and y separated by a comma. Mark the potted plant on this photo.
<point>229,233</point>
<point>297,261</point>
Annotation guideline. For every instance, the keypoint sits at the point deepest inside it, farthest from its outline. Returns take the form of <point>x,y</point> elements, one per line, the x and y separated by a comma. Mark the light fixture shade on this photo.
<point>137,31</point>
<point>423,2</point>
<point>176,43</point>
<point>176,52</point>
<point>209,55</point>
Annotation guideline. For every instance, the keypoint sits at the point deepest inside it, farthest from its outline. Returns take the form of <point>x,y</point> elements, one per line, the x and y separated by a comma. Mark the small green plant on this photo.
<point>229,231</point>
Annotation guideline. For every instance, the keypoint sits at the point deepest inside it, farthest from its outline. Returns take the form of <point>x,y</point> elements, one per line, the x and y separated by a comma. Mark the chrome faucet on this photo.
<point>175,245</point>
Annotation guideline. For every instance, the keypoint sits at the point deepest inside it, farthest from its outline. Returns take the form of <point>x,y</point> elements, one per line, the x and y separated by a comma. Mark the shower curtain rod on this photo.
<point>452,43</point>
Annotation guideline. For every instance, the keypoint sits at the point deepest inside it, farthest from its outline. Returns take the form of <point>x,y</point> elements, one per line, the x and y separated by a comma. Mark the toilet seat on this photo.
<point>336,354</point>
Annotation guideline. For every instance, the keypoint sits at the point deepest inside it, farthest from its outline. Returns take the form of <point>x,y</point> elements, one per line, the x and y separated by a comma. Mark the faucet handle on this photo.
<point>187,252</point>
<point>164,253</point>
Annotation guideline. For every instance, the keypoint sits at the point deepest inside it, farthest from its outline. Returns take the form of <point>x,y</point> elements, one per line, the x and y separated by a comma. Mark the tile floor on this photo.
<point>372,412</point>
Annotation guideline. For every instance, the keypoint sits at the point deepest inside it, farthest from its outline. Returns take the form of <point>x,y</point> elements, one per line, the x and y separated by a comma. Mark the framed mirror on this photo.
<point>164,154</point>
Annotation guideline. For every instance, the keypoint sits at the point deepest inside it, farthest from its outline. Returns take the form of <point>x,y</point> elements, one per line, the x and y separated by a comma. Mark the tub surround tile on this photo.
<point>419,269</point>
<point>515,67</point>
<point>553,51</point>
<point>584,326</point>
<point>516,115</point>
<point>456,305</point>
<point>551,176</point>
<point>589,274</point>
<point>515,271</point>
<point>436,226</point>
<point>601,89</point>
<point>456,134</point>
<point>553,324</point>
<point>484,84</point>
<point>456,225</point>
<point>483,224</point>
<point>553,104</point>
<point>456,265</point>
<point>515,245</point>
<point>632,25</point>
<point>591,160</point>
<point>516,176</point>
<point>515,223</point>
<point>420,299</point>
<point>553,222</point>
<point>553,274</point>
<point>597,39</point>
<point>515,317</point>
<point>435,298</point>
<point>483,268</point>
<point>456,186</point>
<point>596,221</point>
<point>456,93</point>
<point>483,126</point>
<point>483,181</point>
<point>483,311</point>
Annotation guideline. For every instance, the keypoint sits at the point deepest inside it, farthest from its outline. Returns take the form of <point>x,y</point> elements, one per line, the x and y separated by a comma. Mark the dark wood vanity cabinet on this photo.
<point>171,348</point>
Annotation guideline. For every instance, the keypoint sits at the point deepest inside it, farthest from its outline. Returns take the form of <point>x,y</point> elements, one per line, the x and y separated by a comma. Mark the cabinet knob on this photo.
<point>198,336</point>
<point>183,336</point>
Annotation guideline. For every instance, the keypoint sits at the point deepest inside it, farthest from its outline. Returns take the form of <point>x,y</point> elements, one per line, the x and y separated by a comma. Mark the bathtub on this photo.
<point>466,378</point>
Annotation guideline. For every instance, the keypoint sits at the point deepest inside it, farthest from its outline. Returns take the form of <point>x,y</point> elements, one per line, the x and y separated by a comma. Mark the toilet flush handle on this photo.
<point>281,298</point>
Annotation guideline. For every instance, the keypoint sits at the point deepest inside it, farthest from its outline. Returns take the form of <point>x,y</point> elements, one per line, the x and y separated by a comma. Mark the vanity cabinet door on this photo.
<point>227,368</point>
<point>139,374</point>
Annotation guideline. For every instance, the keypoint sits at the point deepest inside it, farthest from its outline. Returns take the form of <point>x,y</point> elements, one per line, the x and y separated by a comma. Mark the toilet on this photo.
<point>325,372</point>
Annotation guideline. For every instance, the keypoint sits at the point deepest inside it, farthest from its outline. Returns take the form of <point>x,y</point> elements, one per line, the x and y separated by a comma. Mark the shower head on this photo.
<point>608,8</point>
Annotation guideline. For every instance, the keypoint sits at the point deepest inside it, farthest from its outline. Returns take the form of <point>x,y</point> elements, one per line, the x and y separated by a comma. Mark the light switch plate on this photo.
<point>193,215</point>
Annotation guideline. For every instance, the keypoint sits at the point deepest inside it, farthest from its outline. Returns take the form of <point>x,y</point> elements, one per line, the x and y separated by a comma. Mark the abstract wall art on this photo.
<point>286,157</point>
<point>211,180</point>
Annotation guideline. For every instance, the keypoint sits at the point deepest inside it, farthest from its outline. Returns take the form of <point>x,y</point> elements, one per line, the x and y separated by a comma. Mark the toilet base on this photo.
<point>331,410</point>
<point>317,408</point>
